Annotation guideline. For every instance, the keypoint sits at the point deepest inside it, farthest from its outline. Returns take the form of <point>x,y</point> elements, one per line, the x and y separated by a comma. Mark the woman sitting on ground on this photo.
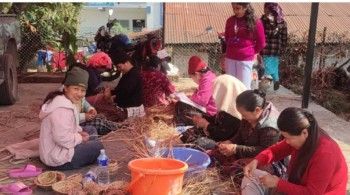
<point>125,100</point>
<point>63,143</point>
<point>97,64</point>
<point>156,85</point>
<point>200,73</point>
<point>317,165</point>
<point>258,131</point>
<point>222,126</point>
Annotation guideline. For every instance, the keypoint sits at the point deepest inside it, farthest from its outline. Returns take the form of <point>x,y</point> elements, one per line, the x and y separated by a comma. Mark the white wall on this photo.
<point>154,19</point>
<point>92,18</point>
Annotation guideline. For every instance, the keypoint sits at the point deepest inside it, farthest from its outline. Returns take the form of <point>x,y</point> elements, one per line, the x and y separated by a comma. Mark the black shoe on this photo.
<point>276,86</point>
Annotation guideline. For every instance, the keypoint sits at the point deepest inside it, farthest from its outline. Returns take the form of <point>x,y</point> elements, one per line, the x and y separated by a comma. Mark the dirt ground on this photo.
<point>20,123</point>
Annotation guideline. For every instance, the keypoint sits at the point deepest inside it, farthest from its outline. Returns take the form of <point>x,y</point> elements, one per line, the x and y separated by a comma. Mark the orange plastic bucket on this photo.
<point>156,176</point>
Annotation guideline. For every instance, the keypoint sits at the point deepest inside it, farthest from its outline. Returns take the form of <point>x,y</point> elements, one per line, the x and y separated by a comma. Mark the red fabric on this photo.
<point>79,56</point>
<point>59,59</point>
<point>327,172</point>
<point>195,64</point>
<point>156,87</point>
<point>100,59</point>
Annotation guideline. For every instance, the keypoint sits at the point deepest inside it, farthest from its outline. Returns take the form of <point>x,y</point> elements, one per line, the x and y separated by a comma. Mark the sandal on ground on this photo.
<point>27,171</point>
<point>18,188</point>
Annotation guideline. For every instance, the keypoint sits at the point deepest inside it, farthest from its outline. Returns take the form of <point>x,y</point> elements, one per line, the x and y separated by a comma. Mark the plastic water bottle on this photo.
<point>90,176</point>
<point>102,169</point>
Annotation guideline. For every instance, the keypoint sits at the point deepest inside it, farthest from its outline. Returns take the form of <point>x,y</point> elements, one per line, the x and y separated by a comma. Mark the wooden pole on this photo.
<point>310,55</point>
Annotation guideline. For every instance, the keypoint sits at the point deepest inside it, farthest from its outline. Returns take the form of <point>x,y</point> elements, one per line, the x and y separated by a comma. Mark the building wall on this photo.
<point>154,15</point>
<point>94,17</point>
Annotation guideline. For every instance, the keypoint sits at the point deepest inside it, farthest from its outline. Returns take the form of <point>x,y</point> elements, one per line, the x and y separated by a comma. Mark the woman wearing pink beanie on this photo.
<point>199,71</point>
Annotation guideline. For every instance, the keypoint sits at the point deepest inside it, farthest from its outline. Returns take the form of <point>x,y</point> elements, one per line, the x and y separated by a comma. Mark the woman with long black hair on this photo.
<point>244,37</point>
<point>317,164</point>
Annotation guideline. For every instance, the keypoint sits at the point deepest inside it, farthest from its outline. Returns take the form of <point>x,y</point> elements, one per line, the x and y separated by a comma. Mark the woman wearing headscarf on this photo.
<point>222,126</point>
<point>276,35</point>
<point>95,66</point>
<point>98,63</point>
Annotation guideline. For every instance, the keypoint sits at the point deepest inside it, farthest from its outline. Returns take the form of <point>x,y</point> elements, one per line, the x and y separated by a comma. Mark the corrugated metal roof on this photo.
<point>186,22</point>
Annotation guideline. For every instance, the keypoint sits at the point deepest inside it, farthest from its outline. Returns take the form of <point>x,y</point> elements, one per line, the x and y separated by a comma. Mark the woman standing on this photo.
<point>63,143</point>
<point>276,36</point>
<point>244,36</point>
<point>317,165</point>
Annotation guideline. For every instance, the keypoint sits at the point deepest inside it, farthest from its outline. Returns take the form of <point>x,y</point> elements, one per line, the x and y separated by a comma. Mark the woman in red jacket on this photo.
<point>317,164</point>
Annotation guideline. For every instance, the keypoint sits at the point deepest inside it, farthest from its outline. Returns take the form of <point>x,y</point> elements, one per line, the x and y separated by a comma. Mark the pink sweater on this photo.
<point>248,45</point>
<point>59,131</point>
<point>326,173</point>
<point>203,96</point>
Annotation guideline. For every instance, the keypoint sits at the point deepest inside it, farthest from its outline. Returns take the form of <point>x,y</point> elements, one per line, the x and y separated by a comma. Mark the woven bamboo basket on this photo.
<point>75,177</point>
<point>94,188</point>
<point>112,167</point>
<point>65,187</point>
<point>45,186</point>
<point>47,178</point>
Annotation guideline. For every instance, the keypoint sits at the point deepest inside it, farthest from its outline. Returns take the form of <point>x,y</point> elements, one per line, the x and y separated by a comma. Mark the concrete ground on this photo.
<point>14,128</point>
<point>335,126</point>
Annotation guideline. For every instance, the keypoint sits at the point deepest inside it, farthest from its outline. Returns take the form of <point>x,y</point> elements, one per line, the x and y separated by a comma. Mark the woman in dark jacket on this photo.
<point>126,99</point>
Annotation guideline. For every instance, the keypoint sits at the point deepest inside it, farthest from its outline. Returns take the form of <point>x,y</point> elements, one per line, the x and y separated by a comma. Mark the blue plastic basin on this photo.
<point>197,161</point>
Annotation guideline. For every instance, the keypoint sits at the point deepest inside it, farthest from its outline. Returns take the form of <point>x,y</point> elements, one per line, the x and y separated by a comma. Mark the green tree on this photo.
<point>43,24</point>
<point>119,29</point>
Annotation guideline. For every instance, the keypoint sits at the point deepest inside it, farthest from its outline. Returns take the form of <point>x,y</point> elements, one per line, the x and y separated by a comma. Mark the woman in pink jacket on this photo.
<point>200,73</point>
<point>63,143</point>
<point>244,37</point>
